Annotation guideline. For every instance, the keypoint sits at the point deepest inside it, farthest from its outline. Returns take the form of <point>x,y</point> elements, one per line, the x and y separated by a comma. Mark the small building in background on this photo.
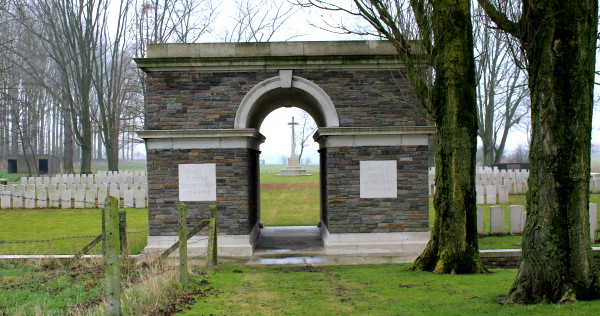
<point>40,164</point>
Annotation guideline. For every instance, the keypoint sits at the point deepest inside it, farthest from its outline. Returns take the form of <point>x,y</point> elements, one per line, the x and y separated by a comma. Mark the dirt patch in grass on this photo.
<point>280,186</point>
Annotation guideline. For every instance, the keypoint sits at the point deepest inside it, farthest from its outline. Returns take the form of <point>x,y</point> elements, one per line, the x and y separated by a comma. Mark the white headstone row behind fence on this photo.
<point>29,196</point>
<point>123,177</point>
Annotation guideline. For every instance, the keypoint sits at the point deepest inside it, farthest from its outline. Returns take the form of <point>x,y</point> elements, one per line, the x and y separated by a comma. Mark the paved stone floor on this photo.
<point>302,245</point>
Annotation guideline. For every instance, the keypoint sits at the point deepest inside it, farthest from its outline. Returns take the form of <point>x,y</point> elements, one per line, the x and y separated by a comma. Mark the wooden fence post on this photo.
<point>123,234</point>
<point>183,234</point>
<point>212,260</point>
<point>111,256</point>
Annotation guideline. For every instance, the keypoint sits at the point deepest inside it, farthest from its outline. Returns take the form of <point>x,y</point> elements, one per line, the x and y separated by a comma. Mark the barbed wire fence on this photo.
<point>109,263</point>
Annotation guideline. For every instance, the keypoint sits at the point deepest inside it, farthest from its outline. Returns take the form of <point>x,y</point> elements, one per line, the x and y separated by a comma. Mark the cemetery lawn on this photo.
<point>363,290</point>
<point>22,225</point>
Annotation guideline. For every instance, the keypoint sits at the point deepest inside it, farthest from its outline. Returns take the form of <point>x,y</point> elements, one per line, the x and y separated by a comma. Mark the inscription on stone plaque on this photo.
<point>378,179</point>
<point>197,182</point>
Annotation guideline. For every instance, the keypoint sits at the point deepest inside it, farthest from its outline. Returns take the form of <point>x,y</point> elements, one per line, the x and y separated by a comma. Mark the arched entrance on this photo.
<point>286,90</point>
<point>205,103</point>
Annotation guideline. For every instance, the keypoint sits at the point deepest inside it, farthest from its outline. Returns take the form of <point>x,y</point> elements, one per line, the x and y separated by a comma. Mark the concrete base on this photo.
<point>228,245</point>
<point>293,172</point>
<point>409,244</point>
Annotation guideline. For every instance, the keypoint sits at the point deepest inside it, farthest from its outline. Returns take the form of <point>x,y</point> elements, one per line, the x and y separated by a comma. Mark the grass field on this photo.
<point>364,290</point>
<point>59,227</point>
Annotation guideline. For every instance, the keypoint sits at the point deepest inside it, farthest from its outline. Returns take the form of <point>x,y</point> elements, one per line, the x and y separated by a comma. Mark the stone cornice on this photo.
<point>270,56</point>
<point>202,138</point>
<point>373,136</point>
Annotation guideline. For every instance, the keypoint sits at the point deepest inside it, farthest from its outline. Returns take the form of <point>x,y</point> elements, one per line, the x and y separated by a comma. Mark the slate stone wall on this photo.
<point>181,100</point>
<point>362,98</point>
<point>348,213</point>
<point>237,180</point>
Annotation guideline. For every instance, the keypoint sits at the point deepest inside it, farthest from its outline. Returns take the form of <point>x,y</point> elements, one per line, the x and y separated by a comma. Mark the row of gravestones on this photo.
<point>125,177</point>
<point>490,180</point>
<point>71,196</point>
<point>517,219</point>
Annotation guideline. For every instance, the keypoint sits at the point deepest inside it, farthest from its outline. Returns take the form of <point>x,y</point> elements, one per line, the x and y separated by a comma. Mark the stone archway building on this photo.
<point>206,102</point>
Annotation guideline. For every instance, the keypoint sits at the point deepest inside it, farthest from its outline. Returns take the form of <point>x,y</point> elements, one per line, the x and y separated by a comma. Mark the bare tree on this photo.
<point>307,129</point>
<point>258,21</point>
<point>502,94</point>
<point>68,31</point>
<point>112,81</point>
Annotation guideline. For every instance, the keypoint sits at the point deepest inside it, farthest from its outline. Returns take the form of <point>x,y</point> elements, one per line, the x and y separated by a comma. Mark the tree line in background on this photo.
<point>69,86</point>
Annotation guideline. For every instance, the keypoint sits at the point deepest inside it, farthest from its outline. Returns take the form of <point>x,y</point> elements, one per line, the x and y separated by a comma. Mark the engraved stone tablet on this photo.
<point>198,182</point>
<point>378,179</point>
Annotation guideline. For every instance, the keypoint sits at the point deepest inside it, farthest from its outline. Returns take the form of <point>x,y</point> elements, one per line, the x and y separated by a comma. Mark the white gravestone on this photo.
<point>29,196</point>
<point>101,197</point>
<point>139,197</point>
<point>480,190</point>
<point>503,194</point>
<point>128,198</point>
<point>79,198</point>
<point>17,196</point>
<point>517,219</point>
<point>54,199</point>
<point>480,220</point>
<point>490,194</point>
<point>90,199</point>
<point>65,199</point>
<point>198,182</point>
<point>42,198</point>
<point>496,220</point>
<point>593,220</point>
<point>5,199</point>
<point>378,179</point>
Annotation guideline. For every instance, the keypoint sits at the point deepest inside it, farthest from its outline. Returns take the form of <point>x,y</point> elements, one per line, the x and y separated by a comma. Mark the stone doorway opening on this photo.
<point>289,185</point>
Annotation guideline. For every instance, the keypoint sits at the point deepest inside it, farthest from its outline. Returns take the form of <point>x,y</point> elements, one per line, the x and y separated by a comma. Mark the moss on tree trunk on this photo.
<point>453,247</point>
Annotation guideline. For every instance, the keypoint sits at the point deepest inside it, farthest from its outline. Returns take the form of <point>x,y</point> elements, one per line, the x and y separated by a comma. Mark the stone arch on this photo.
<point>285,90</point>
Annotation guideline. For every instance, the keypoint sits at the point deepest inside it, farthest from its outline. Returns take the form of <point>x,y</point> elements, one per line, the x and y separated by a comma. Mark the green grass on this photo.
<point>364,290</point>
<point>43,224</point>
<point>58,292</point>
<point>289,201</point>
<point>11,177</point>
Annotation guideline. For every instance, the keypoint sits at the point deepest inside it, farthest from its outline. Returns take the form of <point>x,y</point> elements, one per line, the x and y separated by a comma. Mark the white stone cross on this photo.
<point>292,123</point>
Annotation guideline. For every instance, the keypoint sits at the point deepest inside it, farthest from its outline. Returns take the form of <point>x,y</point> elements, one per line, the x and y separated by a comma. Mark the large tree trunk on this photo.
<point>557,260</point>
<point>453,246</point>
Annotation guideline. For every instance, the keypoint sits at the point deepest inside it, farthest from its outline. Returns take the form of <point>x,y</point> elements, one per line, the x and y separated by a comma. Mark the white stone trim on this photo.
<point>373,136</point>
<point>405,243</point>
<point>251,104</point>
<point>227,245</point>
<point>202,139</point>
